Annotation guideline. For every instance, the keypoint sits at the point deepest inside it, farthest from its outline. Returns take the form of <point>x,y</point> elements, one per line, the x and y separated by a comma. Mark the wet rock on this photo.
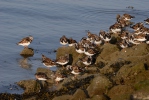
<point>120,92</point>
<point>27,52</point>
<point>99,85</point>
<point>29,86</point>
<point>79,95</point>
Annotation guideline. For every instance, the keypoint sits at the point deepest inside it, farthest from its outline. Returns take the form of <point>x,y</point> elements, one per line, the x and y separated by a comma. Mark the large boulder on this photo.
<point>99,85</point>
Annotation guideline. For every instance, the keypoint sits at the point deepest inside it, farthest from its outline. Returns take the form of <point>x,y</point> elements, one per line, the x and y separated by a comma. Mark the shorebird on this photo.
<point>87,60</point>
<point>62,60</point>
<point>123,44</point>
<point>25,41</point>
<point>107,37</point>
<point>71,42</point>
<point>59,77</point>
<point>75,69</point>
<point>147,38</point>
<point>137,26</point>
<point>124,35</point>
<point>140,37</point>
<point>41,76</point>
<point>48,62</point>
<point>90,51</point>
<point>115,28</point>
<point>79,48</point>
<point>98,40</point>
<point>64,40</point>
<point>127,17</point>
<point>146,21</point>
<point>90,36</point>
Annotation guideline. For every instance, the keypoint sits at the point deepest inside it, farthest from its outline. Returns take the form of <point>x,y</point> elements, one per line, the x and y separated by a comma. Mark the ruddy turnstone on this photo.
<point>25,41</point>
<point>71,42</point>
<point>48,62</point>
<point>140,37</point>
<point>147,38</point>
<point>90,51</point>
<point>123,44</point>
<point>59,77</point>
<point>118,17</point>
<point>41,76</point>
<point>115,28</point>
<point>102,34</point>
<point>63,60</point>
<point>137,26</point>
<point>98,40</point>
<point>132,41</point>
<point>91,36</point>
<point>146,21</point>
<point>64,40</point>
<point>79,48</point>
<point>124,35</point>
<point>107,37</point>
<point>87,60</point>
<point>127,17</point>
<point>76,70</point>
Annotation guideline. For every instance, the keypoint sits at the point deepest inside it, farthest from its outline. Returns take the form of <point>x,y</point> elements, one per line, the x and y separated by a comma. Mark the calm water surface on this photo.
<point>47,21</point>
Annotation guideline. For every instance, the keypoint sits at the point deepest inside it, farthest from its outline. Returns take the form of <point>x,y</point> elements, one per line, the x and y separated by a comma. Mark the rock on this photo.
<point>27,52</point>
<point>141,90</point>
<point>63,97</point>
<point>129,73</point>
<point>29,86</point>
<point>106,50</point>
<point>79,95</point>
<point>99,97</point>
<point>120,92</point>
<point>72,54</point>
<point>99,85</point>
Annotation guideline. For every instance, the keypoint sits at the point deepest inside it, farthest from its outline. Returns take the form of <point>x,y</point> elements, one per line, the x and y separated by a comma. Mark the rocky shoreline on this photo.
<point>115,75</point>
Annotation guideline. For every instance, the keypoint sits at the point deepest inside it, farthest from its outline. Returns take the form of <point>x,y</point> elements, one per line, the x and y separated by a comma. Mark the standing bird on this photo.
<point>25,41</point>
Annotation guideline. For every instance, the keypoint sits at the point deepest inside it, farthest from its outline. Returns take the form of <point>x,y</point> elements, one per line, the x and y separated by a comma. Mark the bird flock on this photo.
<point>88,45</point>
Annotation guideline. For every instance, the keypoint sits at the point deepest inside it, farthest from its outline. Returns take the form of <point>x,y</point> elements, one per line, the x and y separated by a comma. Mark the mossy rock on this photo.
<point>74,56</point>
<point>141,90</point>
<point>142,85</point>
<point>120,92</point>
<point>129,74</point>
<point>29,86</point>
<point>79,95</point>
<point>106,50</point>
<point>27,52</point>
<point>63,97</point>
<point>99,97</point>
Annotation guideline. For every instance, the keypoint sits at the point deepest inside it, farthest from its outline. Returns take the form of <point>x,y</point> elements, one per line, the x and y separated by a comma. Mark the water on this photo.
<point>47,21</point>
